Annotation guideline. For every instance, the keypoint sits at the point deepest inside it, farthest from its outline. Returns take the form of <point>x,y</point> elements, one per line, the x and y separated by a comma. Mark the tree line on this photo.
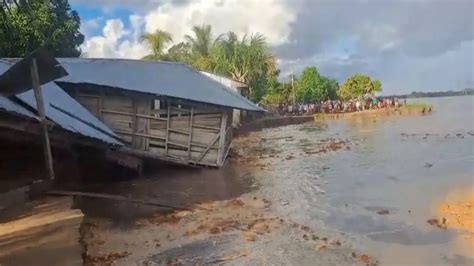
<point>247,59</point>
<point>28,24</point>
<point>312,87</point>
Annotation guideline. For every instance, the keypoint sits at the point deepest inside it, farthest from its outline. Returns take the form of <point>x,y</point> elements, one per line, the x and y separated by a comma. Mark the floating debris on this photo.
<point>437,223</point>
<point>105,259</point>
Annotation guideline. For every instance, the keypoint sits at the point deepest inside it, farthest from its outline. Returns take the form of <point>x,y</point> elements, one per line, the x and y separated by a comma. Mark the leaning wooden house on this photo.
<point>161,110</point>
<point>22,136</point>
<point>235,86</point>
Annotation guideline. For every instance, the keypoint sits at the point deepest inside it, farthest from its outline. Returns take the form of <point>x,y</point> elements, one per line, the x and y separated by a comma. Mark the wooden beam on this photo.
<point>179,109</point>
<point>134,122</point>
<point>167,127</point>
<point>140,134</point>
<point>223,134</point>
<point>190,139</point>
<point>40,107</point>
<point>206,127</point>
<point>131,114</point>
<point>177,144</point>
<point>159,157</point>
<point>179,131</point>
<point>116,112</point>
<point>213,141</point>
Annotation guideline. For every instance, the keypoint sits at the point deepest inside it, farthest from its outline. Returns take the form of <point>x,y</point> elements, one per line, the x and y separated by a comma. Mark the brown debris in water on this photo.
<point>267,203</point>
<point>159,219</point>
<point>383,212</point>
<point>330,144</point>
<point>105,259</point>
<point>305,228</point>
<point>322,248</point>
<point>249,236</point>
<point>368,260</point>
<point>235,203</point>
<point>437,223</point>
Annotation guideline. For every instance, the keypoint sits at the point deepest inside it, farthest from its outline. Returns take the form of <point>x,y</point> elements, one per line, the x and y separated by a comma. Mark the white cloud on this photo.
<point>269,17</point>
<point>116,41</point>
<point>240,16</point>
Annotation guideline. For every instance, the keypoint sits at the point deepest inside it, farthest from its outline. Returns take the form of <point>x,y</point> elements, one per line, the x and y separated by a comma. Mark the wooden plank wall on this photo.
<point>193,133</point>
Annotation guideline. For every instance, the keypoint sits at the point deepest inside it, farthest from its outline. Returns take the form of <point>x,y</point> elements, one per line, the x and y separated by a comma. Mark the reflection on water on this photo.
<point>405,165</point>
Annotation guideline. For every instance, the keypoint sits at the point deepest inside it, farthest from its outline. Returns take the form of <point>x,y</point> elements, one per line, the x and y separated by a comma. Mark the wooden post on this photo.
<point>40,107</point>
<point>134,123</point>
<point>190,139</point>
<point>168,126</point>
<point>222,133</point>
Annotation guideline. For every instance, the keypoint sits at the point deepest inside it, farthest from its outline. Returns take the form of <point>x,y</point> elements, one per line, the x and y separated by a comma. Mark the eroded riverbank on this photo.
<point>232,221</point>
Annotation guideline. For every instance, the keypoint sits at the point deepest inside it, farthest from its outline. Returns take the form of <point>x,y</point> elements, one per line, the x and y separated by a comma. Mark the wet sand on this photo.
<point>457,211</point>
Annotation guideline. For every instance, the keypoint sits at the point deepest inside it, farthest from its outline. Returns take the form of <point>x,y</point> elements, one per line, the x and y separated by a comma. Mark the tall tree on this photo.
<point>157,41</point>
<point>180,52</point>
<point>332,89</point>
<point>312,86</point>
<point>358,86</point>
<point>202,41</point>
<point>247,60</point>
<point>28,24</point>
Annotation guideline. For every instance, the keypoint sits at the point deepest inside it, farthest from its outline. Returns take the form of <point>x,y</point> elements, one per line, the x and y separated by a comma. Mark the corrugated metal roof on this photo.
<point>160,78</point>
<point>10,106</point>
<point>225,80</point>
<point>53,95</point>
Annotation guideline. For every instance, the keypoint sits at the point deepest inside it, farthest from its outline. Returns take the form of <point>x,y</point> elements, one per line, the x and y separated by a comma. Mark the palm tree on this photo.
<point>202,41</point>
<point>157,41</point>
<point>243,60</point>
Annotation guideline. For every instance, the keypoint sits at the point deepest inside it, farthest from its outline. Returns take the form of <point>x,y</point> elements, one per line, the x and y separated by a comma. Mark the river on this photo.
<point>404,165</point>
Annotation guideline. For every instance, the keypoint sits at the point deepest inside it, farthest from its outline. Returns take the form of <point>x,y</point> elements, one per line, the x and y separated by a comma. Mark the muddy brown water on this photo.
<point>170,186</point>
<point>406,166</point>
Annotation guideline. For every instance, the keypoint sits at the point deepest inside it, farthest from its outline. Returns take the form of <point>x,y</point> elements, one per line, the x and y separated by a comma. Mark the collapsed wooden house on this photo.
<point>161,110</point>
<point>22,134</point>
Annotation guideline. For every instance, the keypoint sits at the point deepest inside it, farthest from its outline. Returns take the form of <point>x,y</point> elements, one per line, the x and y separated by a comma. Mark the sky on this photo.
<point>410,45</point>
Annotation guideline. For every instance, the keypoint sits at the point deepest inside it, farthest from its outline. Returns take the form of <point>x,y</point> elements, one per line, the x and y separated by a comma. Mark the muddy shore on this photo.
<point>231,222</point>
<point>383,113</point>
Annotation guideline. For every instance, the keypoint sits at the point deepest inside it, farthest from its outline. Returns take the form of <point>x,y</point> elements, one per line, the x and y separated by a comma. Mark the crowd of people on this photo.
<point>338,106</point>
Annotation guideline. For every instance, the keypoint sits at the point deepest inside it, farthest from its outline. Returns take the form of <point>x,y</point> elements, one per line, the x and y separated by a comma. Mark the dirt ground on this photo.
<point>229,221</point>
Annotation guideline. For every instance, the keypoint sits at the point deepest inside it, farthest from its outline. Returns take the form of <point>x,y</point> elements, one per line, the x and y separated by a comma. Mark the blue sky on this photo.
<point>422,45</point>
<point>101,15</point>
